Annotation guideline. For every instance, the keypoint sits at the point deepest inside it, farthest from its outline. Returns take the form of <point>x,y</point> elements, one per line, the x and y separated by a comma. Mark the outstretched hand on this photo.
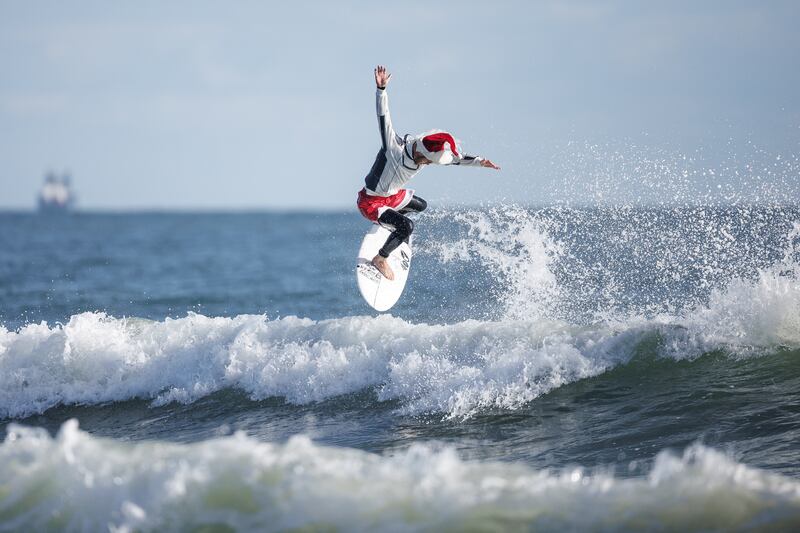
<point>488,164</point>
<point>381,77</point>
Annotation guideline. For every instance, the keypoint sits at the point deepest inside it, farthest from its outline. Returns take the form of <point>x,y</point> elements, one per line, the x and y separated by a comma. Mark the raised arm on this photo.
<point>382,105</point>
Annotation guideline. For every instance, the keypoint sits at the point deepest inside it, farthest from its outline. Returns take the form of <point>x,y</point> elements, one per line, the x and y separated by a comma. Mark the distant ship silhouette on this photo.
<point>56,195</point>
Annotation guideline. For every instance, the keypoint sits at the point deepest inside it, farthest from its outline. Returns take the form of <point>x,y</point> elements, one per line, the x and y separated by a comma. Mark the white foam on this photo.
<point>747,315</point>
<point>78,482</point>
<point>453,369</point>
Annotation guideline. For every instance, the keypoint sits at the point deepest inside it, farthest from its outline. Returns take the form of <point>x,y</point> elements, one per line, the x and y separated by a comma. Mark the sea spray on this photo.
<point>513,243</point>
<point>619,173</point>
<point>748,314</point>
<point>621,263</point>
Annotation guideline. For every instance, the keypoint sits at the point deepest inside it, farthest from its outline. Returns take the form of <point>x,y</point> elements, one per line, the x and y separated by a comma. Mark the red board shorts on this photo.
<point>373,207</point>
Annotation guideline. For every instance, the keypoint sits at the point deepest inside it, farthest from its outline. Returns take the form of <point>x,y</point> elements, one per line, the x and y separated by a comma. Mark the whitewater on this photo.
<point>237,482</point>
<point>560,368</point>
<point>452,369</point>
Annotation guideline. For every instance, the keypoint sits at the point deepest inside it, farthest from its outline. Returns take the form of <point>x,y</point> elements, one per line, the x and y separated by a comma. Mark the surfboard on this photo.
<point>380,293</point>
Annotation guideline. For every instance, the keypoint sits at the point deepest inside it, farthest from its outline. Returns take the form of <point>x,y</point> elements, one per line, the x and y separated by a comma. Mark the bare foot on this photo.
<point>383,267</point>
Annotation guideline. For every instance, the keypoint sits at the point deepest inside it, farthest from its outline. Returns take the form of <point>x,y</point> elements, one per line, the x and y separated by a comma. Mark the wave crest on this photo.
<point>237,482</point>
<point>455,370</point>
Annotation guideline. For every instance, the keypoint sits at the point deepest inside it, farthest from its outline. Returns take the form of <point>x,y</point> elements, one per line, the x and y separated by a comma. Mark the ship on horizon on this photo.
<point>56,195</point>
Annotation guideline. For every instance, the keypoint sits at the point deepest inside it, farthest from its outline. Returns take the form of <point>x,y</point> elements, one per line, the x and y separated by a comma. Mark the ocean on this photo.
<point>556,368</point>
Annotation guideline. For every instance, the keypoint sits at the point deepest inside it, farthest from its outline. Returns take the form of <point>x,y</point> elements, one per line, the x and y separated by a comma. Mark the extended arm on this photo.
<point>475,161</point>
<point>382,105</point>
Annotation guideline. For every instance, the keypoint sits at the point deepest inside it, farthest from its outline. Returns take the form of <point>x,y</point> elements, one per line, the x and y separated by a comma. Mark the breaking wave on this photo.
<point>564,319</point>
<point>236,482</point>
<point>452,369</point>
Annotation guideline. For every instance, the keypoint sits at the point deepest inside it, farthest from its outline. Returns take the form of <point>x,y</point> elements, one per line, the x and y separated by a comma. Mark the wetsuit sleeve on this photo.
<point>384,120</point>
<point>468,160</point>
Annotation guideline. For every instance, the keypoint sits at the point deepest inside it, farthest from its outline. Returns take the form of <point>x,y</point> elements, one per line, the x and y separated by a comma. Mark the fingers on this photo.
<point>381,76</point>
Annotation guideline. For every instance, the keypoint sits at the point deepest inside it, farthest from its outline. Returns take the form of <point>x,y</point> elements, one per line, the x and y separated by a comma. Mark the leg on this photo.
<point>416,205</point>
<point>403,226</point>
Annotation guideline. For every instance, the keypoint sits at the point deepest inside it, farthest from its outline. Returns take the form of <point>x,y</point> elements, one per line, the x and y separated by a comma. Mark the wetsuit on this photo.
<point>383,200</point>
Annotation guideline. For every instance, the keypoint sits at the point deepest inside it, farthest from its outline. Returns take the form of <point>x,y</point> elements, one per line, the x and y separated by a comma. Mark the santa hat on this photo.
<point>439,147</point>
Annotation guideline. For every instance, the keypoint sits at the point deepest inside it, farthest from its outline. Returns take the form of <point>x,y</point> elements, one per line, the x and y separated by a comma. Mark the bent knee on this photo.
<point>404,226</point>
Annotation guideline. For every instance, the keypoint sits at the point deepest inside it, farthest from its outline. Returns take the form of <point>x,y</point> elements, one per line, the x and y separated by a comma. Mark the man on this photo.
<point>383,200</point>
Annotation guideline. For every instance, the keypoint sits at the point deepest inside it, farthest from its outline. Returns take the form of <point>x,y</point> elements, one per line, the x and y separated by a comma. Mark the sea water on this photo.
<point>551,368</point>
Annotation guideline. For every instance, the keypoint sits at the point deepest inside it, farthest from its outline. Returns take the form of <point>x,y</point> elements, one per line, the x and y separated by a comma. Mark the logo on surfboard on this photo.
<point>406,260</point>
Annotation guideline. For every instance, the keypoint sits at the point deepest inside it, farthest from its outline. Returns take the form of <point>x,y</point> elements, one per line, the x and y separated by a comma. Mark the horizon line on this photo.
<point>348,209</point>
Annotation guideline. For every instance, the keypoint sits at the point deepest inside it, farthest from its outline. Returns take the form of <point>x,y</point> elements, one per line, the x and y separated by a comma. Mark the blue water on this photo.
<point>638,357</point>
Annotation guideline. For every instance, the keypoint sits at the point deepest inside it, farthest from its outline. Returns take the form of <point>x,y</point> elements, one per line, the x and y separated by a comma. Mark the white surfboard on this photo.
<point>378,291</point>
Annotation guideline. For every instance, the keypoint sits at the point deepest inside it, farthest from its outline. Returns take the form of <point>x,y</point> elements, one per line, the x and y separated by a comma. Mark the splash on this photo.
<point>632,230</point>
<point>515,245</point>
<point>755,312</point>
<point>621,264</point>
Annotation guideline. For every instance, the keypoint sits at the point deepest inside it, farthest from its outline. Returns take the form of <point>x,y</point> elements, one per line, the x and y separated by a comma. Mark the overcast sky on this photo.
<point>271,105</point>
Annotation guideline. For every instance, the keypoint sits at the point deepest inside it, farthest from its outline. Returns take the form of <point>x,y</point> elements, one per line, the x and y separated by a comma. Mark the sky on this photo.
<point>270,105</point>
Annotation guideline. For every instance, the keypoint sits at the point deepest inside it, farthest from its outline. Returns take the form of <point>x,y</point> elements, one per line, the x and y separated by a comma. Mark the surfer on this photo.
<point>383,200</point>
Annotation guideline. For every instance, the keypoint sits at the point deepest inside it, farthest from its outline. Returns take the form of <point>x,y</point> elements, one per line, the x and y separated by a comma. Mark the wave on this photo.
<point>75,481</point>
<point>455,370</point>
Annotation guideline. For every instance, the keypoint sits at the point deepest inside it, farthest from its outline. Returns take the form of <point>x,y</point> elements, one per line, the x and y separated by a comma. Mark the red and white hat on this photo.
<point>440,147</point>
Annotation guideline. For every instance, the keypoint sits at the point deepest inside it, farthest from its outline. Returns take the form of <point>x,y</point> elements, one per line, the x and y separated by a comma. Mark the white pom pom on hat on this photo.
<point>439,147</point>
